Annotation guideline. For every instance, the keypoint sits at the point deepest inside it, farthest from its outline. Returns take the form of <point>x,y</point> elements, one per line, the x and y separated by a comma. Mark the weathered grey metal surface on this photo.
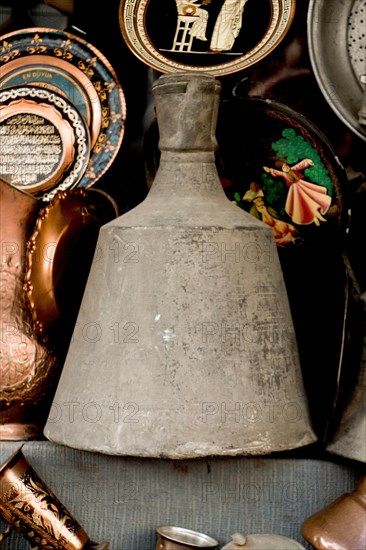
<point>184,345</point>
<point>123,500</point>
<point>349,437</point>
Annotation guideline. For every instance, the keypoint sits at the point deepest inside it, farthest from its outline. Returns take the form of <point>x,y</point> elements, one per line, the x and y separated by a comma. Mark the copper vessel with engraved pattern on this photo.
<point>31,509</point>
<point>27,367</point>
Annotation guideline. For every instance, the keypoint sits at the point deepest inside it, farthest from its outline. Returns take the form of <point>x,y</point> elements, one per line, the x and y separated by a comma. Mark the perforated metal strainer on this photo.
<point>337,48</point>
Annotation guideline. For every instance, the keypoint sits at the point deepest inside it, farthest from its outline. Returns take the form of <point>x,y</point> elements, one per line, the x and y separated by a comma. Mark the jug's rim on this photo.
<point>177,534</point>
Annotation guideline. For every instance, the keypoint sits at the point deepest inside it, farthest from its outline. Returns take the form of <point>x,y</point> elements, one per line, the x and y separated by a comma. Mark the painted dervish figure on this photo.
<point>306,202</point>
<point>284,232</point>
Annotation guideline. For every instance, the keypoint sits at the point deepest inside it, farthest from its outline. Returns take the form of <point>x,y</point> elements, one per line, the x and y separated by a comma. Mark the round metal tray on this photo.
<point>337,44</point>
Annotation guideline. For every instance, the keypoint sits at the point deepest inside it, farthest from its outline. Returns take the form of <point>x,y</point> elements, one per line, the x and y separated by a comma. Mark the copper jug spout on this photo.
<point>342,524</point>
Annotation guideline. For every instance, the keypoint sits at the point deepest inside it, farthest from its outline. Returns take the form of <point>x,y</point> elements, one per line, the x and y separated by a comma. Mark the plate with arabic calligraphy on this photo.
<point>44,141</point>
<point>74,68</point>
<point>212,36</point>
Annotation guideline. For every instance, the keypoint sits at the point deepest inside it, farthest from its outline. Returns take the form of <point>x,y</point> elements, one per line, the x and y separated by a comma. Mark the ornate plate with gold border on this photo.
<point>60,60</point>
<point>277,165</point>
<point>44,141</point>
<point>212,36</point>
<point>76,86</point>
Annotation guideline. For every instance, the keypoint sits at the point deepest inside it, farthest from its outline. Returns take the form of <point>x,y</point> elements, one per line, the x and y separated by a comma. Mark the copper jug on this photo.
<point>342,524</point>
<point>26,365</point>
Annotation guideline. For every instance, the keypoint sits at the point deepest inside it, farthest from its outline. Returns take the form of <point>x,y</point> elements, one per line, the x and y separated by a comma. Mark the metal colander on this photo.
<point>337,48</point>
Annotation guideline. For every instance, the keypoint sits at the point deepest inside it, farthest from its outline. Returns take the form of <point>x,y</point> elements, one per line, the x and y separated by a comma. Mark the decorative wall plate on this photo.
<point>66,80</point>
<point>278,166</point>
<point>44,141</point>
<point>337,44</point>
<point>212,36</point>
<point>65,54</point>
<point>60,252</point>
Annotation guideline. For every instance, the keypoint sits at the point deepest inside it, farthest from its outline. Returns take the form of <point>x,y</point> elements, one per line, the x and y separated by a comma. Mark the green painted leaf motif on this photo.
<point>275,193</point>
<point>293,148</point>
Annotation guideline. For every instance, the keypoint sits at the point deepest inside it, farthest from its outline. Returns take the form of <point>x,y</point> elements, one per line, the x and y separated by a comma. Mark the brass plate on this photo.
<point>211,36</point>
<point>59,254</point>
<point>44,141</point>
<point>64,53</point>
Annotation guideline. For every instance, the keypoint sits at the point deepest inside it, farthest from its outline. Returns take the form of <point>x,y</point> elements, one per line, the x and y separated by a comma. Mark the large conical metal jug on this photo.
<point>184,344</point>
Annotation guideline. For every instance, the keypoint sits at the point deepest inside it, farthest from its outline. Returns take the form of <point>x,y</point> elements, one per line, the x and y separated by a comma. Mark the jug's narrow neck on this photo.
<point>187,175</point>
<point>186,109</point>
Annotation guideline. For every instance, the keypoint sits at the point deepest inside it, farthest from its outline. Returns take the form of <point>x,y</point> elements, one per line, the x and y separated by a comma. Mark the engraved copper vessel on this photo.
<point>26,365</point>
<point>29,507</point>
<point>341,525</point>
